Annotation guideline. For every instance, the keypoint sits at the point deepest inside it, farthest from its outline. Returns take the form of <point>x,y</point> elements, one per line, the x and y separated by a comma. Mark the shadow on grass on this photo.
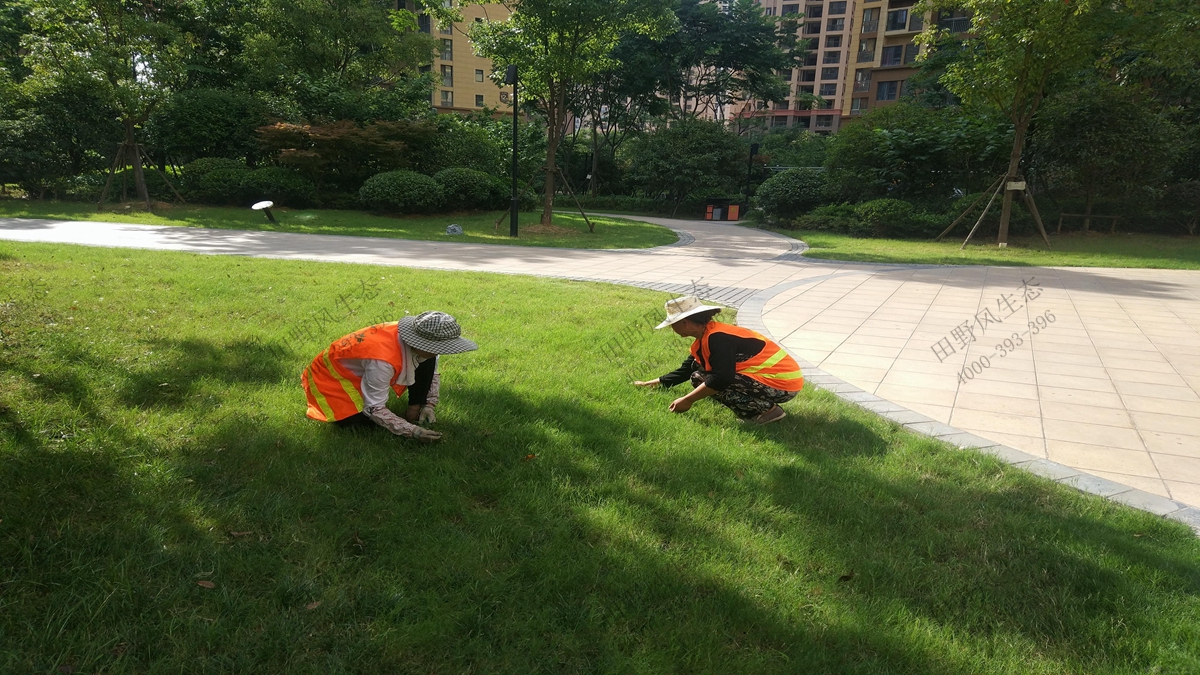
<point>547,533</point>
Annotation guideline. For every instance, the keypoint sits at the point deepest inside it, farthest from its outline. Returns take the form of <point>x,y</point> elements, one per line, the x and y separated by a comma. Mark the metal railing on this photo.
<point>860,86</point>
<point>865,56</point>
<point>959,24</point>
<point>871,26</point>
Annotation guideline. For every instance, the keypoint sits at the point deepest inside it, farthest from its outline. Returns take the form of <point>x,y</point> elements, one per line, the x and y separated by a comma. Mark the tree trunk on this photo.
<point>1087,210</point>
<point>555,113</point>
<point>595,157</point>
<point>139,178</point>
<point>1014,164</point>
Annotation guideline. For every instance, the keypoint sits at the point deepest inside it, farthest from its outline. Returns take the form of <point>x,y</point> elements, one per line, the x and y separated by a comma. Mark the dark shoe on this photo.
<point>773,415</point>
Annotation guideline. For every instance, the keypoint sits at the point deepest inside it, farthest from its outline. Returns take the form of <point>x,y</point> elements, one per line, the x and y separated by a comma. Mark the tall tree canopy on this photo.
<point>559,45</point>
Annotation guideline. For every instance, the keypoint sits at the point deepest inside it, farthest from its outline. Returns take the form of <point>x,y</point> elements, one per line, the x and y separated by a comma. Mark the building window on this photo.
<point>478,75</point>
<point>813,11</point>
<point>862,80</point>
<point>829,73</point>
<point>824,121</point>
<point>825,105</point>
<point>803,105</point>
<point>910,53</point>
<point>790,9</point>
<point>812,28</point>
<point>866,50</point>
<point>829,89</point>
<point>892,56</point>
<point>808,76</point>
<point>424,24</point>
<point>779,121</point>
<point>770,11</point>
<point>779,105</point>
<point>810,59</point>
<point>833,41</point>
<point>447,76</point>
<point>832,57</point>
<point>838,7</point>
<point>447,98</point>
<point>786,75</point>
<point>448,30</point>
<point>447,49</point>
<point>916,22</point>
<point>887,91</point>
<point>870,20</point>
<point>836,24</point>
<point>805,89</point>
<point>802,122</point>
<point>858,105</point>
<point>897,19</point>
<point>478,100</point>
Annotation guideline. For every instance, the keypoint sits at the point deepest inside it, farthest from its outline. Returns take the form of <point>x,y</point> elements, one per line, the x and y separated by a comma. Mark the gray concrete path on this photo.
<point>1087,375</point>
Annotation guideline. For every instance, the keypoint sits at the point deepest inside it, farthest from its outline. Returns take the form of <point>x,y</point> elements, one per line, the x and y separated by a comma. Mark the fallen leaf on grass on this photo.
<point>1138,534</point>
<point>119,649</point>
<point>66,669</point>
<point>529,457</point>
<point>205,583</point>
<point>240,534</point>
<point>312,605</point>
<point>847,576</point>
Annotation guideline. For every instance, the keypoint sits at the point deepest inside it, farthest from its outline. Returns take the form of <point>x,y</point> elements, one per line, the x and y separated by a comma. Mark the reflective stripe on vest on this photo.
<point>771,366</point>
<point>335,393</point>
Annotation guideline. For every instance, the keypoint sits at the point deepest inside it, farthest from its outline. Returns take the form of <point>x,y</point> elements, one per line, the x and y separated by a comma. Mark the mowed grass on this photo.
<point>1067,250</point>
<point>569,230</point>
<point>152,437</point>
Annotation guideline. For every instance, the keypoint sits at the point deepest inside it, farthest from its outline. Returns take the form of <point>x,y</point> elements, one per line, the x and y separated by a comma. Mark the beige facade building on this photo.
<point>463,78</point>
<point>827,25</point>
<point>884,52</point>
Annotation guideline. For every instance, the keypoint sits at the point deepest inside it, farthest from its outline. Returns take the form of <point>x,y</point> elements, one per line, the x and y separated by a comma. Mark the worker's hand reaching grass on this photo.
<point>426,435</point>
<point>427,416</point>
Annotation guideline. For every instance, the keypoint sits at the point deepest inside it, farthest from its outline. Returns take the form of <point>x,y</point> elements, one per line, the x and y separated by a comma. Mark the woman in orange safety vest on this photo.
<point>348,383</point>
<point>743,370</point>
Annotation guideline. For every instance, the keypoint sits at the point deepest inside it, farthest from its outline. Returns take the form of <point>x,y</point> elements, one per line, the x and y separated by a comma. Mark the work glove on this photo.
<point>427,416</point>
<point>426,435</point>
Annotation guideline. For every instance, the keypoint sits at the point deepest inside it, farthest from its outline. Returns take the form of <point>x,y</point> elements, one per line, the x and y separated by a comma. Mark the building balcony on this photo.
<point>866,56</point>
<point>871,26</point>
<point>959,24</point>
<point>860,87</point>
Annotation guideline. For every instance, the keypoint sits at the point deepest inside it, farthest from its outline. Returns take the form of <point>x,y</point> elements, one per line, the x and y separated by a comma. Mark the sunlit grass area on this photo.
<point>1067,250</point>
<point>569,230</point>
<point>166,506</point>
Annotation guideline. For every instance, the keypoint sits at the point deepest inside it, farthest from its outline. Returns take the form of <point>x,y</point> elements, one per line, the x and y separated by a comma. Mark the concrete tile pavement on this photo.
<point>1096,370</point>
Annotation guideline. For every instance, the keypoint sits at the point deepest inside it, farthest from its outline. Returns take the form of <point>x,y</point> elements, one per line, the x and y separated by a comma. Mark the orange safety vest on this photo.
<point>335,393</point>
<point>772,366</point>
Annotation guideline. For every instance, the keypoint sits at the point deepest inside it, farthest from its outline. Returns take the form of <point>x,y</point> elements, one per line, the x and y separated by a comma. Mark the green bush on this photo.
<point>786,195</point>
<point>881,217</point>
<point>472,190</point>
<point>402,192</point>
<point>282,186</point>
<point>87,187</point>
<point>838,218</point>
<point>225,188</point>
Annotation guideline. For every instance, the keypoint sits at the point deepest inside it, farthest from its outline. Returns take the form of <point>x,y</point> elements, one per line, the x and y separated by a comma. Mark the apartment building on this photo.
<point>462,77</point>
<point>883,51</point>
<point>827,26</point>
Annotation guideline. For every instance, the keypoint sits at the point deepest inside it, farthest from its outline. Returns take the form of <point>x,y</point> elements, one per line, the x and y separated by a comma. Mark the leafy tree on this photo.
<point>14,25</point>
<point>718,57</point>
<point>791,193</point>
<point>909,152</point>
<point>1016,52</point>
<point>794,147</point>
<point>559,45</point>
<point>199,123</point>
<point>1103,139</point>
<point>130,53</point>
<point>689,157</point>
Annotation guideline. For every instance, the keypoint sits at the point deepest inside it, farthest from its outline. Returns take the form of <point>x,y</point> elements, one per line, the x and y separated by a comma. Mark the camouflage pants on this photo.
<point>746,397</point>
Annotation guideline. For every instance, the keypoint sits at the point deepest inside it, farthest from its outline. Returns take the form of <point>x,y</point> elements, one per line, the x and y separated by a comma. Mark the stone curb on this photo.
<point>750,316</point>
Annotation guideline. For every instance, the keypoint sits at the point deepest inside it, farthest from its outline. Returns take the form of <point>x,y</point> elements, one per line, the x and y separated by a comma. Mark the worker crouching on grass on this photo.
<point>743,370</point>
<point>347,384</point>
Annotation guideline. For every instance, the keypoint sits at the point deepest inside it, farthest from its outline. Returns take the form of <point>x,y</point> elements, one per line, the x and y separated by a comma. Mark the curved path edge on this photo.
<point>750,315</point>
<point>709,244</point>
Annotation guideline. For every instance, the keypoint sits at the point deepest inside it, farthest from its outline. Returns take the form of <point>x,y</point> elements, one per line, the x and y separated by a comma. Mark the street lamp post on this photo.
<point>510,77</point>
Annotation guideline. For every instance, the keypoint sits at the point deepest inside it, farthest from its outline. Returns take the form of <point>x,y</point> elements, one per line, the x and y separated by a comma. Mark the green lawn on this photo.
<point>1068,250</point>
<point>152,437</point>
<point>570,230</point>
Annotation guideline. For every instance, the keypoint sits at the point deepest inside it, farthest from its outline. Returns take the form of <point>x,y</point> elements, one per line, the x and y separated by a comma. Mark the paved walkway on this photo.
<point>1093,369</point>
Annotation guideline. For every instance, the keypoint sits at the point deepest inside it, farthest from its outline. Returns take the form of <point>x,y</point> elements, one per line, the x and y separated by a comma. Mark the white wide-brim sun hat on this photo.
<point>681,308</point>
<point>434,332</point>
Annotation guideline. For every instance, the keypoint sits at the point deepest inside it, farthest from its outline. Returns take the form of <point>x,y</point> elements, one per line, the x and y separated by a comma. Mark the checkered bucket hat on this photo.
<point>434,332</point>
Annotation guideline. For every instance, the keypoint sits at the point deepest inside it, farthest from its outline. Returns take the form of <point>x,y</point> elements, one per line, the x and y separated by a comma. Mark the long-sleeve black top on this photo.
<point>725,352</point>
<point>418,393</point>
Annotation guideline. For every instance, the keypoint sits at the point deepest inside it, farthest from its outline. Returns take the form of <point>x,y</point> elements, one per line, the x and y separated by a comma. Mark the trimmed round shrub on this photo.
<point>839,218</point>
<point>224,188</point>
<point>282,186</point>
<point>786,195</point>
<point>882,217</point>
<point>469,189</point>
<point>402,192</point>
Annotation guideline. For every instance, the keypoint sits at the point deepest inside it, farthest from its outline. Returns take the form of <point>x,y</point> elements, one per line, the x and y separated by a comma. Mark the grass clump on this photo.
<point>570,230</point>
<point>152,437</point>
<point>1069,250</point>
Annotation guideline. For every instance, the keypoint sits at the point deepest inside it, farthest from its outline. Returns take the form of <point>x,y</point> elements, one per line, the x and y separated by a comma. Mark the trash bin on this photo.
<point>721,209</point>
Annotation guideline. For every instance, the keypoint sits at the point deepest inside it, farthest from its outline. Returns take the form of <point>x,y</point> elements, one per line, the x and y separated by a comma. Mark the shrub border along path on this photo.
<point>758,272</point>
